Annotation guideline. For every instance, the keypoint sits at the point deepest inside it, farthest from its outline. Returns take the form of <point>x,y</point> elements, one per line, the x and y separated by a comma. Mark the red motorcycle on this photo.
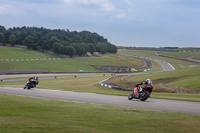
<point>142,93</point>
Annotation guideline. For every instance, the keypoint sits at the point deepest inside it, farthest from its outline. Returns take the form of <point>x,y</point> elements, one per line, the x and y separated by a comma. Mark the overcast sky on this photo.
<point>145,23</point>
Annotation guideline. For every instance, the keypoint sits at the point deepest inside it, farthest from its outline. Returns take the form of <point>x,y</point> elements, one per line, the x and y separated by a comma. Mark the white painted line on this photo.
<point>171,65</point>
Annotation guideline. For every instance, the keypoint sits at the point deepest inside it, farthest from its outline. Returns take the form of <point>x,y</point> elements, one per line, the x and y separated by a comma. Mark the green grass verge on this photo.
<point>177,96</point>
<point>188,78</point>
<point>22,53</point>
<point>33,115</point>
<point>182,54</point>
<point>111,60</point>
<point>168,75</point>
<point>63,65</point>
<point>181,81</point>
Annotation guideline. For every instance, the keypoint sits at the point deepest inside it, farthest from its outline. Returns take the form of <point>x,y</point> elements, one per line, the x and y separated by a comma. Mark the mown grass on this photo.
<point>33,115</point>
<point>182,54</point>
<point>183,78</point>
<point>190,82</point>
<point>177,96</point>
<point>22,53</point>
<point>63,65</point>
<point>186,80</point>
<point>111,60</point>
<point>167,75</point>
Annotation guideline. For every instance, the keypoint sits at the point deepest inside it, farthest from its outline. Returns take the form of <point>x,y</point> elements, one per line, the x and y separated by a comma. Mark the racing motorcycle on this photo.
<point>142,93</point>
<point>32,82</point>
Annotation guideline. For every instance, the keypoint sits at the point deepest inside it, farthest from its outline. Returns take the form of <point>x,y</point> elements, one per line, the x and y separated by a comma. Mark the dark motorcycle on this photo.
<point>142,93</point>
<point>32,82</point>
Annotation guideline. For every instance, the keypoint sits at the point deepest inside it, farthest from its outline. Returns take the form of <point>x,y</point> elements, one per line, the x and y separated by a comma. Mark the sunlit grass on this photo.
<point>33,115</point>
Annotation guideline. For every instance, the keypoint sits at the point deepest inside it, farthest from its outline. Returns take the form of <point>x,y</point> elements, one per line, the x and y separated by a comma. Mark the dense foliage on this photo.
<point>57,40</point>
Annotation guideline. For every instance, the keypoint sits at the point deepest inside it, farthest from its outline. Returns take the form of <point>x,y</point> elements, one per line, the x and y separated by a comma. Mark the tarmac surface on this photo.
<point>122,101</point>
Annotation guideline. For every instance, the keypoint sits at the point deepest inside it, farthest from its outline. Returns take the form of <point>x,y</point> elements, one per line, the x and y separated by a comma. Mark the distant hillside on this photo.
<point>59,41</point>
<point>16,59</point>
<point>21,59</point>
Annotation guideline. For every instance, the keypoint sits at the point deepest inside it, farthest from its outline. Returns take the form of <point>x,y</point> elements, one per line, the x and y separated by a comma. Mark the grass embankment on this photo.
<point>195,55</point>
<point>59,65</point>
<point>182,79</point>
<point>33,115</point>
<point>111,60</point>
<point>178,64</point>
<point>171,83</point>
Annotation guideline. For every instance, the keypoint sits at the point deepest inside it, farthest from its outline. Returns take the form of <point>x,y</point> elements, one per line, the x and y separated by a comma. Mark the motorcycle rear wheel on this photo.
<point>144,96</point>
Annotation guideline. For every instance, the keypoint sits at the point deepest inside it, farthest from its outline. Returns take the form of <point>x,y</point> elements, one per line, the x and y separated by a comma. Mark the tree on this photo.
<point>12,39</point>
<point>53,39</point>
<point>62,50</point>
<point>2,37</point>
<point>2,29</point>
<point>29,42</point>
<point>70,51</point>
<point>90,48</point>
<point>56,40</point>
<point>56,47</point>
<point>78,48</point>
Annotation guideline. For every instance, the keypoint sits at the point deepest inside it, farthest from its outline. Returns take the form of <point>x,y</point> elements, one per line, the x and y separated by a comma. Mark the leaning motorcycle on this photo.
<point>30,84</point>
<point>142,93</point>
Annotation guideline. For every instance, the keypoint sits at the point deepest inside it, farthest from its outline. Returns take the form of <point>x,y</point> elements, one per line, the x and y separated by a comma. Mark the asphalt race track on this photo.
<point>122,101</point>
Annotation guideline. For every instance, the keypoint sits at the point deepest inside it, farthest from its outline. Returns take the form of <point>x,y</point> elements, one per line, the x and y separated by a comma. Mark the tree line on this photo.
<point>57,40</point>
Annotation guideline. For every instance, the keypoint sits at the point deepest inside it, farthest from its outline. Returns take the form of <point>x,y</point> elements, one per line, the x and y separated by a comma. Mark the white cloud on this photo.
<point>6,9</point>
<point>105,5</point>
<point>122,15</point>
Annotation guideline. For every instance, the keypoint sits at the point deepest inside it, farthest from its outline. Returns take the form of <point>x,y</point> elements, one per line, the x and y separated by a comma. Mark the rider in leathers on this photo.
<point>34,80</point>
<point>148,82</point>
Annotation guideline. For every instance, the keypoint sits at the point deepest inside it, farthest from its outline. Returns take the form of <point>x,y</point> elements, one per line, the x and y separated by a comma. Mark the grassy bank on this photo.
<point>12,58</point>
<point>184,81</point>
<point>195,55</point>
<point>33,115</point>
<point>111,60</point>
<point>57,65</point>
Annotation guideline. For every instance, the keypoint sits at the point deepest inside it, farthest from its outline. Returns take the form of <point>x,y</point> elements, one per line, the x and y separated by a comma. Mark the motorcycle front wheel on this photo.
<point>144,95</point>
<point>130,97</point>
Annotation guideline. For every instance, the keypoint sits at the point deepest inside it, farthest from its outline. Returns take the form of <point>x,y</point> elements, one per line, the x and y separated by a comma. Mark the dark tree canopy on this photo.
<point>59,41</point>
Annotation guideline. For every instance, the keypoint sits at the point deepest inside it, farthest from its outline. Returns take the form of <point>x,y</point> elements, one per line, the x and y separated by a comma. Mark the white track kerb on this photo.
<point>171,66</point>
<point>105,85</point>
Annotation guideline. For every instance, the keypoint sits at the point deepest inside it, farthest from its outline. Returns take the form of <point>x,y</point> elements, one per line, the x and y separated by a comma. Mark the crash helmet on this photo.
<point>148,81</point>
<point>36,77</point>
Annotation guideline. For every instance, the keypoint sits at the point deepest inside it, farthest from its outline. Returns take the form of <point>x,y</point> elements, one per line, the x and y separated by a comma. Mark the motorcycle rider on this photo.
<point>34,80</point>
<point>146,83</point>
